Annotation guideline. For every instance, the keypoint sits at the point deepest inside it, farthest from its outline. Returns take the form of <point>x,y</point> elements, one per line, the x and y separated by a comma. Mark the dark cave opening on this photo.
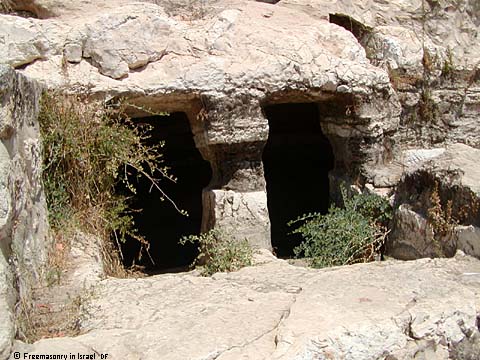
<point>159,222</point>
<point>358,29</point>
<point>296,159</point>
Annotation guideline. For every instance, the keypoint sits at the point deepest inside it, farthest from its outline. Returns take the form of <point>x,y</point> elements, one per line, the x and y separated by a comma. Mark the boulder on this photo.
<point>454,173</point>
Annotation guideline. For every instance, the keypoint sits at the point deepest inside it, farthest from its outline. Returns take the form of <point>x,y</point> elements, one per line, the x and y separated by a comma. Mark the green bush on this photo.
<point>87,150</point>
<point>219,252</point>
<point>347,235</point>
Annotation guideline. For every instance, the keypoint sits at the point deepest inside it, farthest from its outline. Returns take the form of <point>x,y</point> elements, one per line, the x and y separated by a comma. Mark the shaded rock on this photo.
<point>23,227</point>
<point>451,173</point>
<point>243,215</point>
<point>7,302</point>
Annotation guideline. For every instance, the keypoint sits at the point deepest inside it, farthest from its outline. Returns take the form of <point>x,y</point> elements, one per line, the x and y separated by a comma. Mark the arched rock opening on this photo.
<point>297,159</point>
<point>159,222</point>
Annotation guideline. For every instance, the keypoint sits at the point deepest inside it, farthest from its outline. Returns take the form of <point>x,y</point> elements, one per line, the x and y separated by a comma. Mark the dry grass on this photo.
<point>51,311</point>
<point>6,6</point>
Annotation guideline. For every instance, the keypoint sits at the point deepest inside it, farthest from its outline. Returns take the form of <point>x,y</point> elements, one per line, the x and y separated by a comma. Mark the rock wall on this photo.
<point>23,218</point>
<point>387,78</point>
<point>397,85</point>
<point>438,206</point>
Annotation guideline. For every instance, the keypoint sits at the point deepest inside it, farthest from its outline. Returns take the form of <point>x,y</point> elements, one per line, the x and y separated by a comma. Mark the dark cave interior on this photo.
<point>296,159</point>
<point>159,222</point>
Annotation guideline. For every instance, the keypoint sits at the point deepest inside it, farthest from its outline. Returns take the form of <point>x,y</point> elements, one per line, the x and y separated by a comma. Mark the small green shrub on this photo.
<point>354,233</point>
<point>87,150</point>
<point>219,252</point>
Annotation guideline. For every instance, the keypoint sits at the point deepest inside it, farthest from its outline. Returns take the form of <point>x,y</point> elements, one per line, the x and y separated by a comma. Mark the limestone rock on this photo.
<point>468,239</point>
<point>465,159</point>
<point>7,302</point>
<point>455,170</point>
<point>22,205</point>
<point>237,47</point>
<point>129,39</point>
<point>241,215</point>
<point>85,265</point>
<point>27,40</point>
<point>442,24</point>
<point>276,311</point>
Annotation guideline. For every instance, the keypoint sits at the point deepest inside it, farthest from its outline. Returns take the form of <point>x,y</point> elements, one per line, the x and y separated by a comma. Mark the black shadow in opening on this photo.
<point>296,159</point>
<point>159,222</point>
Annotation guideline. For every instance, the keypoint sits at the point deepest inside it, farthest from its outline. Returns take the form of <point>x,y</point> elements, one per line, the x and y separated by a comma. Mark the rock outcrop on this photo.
<point>387,78</point>
<point>439,189</point>
<point>23,217</point>
<point>425,309</point>
<point>220,69</point>
<point>397,89</point>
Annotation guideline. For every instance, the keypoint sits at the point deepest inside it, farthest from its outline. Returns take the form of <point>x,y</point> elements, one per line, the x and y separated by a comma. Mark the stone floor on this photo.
<point>423,309</point>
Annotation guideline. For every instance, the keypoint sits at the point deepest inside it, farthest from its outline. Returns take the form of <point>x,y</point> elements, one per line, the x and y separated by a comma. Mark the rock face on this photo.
<point>424,309</point>
<point>397,89</point>
<point>418,225</point>
<point>23,226</point>
<point>222,76</point>
<point>387,78</point>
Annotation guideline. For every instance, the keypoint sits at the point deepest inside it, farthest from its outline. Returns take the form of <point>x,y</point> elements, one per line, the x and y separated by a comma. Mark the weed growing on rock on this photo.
<point>426,106</point>
<point>448,67</point>
<point>87,150</point>
<point>440,219</point>
<point>5,7</point>
<point>219,252</point>
<point>351,234</point>
<point>445,213</point>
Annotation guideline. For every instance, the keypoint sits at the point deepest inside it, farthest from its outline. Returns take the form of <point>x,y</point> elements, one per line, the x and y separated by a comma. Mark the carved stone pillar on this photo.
<point>231,134</point>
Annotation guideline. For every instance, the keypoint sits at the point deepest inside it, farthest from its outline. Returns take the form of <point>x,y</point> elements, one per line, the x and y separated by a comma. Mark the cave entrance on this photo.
<point>296,159</point>
<point>159,222</point>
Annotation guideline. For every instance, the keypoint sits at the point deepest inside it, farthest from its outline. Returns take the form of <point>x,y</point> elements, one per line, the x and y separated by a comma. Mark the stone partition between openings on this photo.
<point>231,133</point>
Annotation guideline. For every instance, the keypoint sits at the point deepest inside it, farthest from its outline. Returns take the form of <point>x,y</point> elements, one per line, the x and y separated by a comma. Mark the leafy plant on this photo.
<point>219,252</point>
<point>345,235</point>
<point>87,150</point>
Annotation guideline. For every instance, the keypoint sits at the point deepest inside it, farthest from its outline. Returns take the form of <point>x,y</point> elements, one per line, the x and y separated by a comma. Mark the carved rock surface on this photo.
<point>277,311</point>
<point>238,45</point>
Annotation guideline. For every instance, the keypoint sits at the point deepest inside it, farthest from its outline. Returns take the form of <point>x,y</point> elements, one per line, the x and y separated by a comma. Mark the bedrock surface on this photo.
<point>423,309</point>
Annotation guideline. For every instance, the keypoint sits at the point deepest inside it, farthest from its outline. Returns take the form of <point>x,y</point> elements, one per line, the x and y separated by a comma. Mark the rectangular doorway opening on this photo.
<point>297,159</point>
<point>158,221</point>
